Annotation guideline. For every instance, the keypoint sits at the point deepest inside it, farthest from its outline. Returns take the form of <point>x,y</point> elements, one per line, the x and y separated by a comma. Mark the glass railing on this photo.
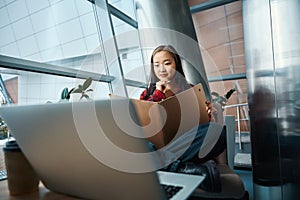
<point>239,118</point>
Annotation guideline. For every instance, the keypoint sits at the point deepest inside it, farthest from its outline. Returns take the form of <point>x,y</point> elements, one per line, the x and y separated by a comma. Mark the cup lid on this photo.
<point>11,145</point>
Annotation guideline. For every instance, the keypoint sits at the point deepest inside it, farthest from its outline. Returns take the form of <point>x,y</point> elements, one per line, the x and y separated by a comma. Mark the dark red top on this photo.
<point>157,95</point>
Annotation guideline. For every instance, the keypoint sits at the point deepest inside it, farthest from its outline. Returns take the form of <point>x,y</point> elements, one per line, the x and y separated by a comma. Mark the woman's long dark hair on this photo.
<point>179,75</point>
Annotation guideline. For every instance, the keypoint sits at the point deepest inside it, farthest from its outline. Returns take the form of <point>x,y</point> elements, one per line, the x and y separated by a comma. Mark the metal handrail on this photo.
<point>238,120</point>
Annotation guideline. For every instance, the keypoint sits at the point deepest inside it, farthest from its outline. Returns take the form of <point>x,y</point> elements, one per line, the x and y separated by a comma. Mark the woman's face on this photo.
<point>164,66</point>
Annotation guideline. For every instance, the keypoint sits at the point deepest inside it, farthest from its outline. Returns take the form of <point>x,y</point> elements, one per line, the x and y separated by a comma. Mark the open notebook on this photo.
<point>85,149</point>
<point>167,120</point>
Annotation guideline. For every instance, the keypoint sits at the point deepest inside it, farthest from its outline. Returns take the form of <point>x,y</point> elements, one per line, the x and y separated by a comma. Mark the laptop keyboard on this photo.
<point>3,175</point>
<point>170,190</point>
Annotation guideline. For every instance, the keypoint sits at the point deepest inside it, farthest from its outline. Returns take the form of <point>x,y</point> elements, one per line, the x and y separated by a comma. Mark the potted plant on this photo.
<point>4,133</point>
<point>80,89</point>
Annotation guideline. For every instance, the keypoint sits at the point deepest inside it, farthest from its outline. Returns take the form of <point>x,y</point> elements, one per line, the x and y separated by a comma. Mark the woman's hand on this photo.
<point>160,86</point>
<point>164,85</point>
<point>167,87</point>
<point>215,112</point>
<point>211,111</point>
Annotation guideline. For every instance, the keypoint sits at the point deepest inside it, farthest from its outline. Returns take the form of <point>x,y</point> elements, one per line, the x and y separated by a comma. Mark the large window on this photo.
<point>220,35</point>
<point>47,31</point>
<point>130,55</point>
<point>46,46</point>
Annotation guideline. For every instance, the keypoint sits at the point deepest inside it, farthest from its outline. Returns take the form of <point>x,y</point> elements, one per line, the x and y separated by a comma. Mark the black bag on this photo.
<point>212,180</point>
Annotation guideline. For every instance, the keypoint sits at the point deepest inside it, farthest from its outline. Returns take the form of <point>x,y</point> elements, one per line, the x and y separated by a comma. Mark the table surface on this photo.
<point>42,193</point>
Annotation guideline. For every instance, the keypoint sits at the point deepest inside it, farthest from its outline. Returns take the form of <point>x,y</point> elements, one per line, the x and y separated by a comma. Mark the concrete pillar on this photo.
<point>272,37</point>
<point>170,22</point>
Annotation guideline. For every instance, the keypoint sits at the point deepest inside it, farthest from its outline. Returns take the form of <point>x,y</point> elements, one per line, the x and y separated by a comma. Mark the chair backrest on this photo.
<point>229,122</point>
<point>222,158</point>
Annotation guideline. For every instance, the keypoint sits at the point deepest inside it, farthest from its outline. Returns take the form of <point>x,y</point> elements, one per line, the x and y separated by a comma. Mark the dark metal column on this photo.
<point>272,38</point>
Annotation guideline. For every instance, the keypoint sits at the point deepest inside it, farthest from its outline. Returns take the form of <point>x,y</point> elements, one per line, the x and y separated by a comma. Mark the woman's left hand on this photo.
<point>215,112</point>
<point>209,110</point>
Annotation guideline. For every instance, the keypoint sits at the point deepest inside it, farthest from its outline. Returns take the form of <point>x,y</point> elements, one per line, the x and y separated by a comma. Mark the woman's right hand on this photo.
<point>164,85</point>
<point>160,86</point>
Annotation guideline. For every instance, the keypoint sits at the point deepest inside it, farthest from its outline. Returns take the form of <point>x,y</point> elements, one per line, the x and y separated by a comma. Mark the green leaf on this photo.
<point>84,96</point>
<point>89,90</point>
<point>77,90</point>
<point>87,83</point>
<point>64,93</point>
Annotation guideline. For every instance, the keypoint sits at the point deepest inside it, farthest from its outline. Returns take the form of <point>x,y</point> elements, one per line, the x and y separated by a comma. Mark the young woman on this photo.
<point>166,76</point>
<point>167,79</point>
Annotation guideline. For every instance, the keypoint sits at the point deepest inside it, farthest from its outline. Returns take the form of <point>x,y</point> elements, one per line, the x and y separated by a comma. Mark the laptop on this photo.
<point>92,150</point>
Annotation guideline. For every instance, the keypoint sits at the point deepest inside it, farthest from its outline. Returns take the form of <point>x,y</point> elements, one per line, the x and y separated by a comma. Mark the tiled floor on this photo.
<point>243,163</point>
<point>246,176</point>
<point>243,152</point>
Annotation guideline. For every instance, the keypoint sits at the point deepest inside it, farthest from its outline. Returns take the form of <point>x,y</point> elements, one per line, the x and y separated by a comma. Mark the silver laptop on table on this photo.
<point>92,150</point>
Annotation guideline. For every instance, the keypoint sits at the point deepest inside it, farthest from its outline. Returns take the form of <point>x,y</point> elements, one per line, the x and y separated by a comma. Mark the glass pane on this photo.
<point>129,50</point>
<point>134,92</point>
<point>62,34</point>
<point>126,6</point>
<point>37,88</point>
<point>238,99</point>
<point>57,32</point>
<point>9,83</point>
<point>220,34</point>
<point>221,39</point>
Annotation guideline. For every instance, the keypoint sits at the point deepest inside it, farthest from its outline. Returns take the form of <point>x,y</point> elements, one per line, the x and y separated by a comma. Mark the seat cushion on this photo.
<point>232,185</point>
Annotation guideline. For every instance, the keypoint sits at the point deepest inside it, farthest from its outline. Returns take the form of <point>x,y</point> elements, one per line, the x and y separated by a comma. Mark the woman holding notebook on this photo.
<point>167,79</point>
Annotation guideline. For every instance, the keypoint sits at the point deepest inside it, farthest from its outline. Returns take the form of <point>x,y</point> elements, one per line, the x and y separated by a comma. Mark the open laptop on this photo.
<point>92,150</point>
